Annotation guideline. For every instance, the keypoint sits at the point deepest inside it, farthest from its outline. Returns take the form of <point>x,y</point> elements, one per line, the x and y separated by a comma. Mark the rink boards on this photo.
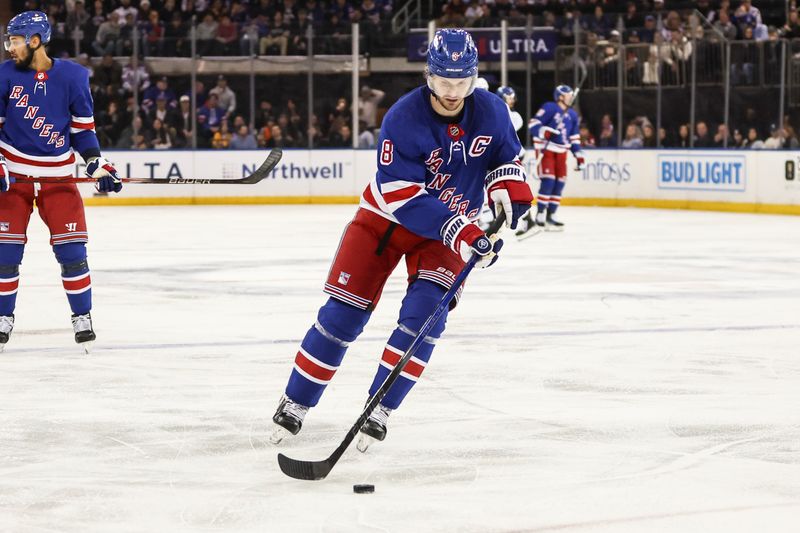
<point>727,180</point>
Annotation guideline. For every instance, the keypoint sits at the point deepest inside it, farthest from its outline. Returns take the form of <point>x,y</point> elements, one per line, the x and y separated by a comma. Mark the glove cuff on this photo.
<point>452,229</point>
<point>508,172</point>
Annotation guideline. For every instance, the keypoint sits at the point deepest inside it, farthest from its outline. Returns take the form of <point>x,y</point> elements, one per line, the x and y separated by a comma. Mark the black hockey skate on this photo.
<point>288,419</point>
<point>84,334</point>
<point>553,224</point>
<point>6,326</point>
<point>374,429</point>
<point>527,227</point>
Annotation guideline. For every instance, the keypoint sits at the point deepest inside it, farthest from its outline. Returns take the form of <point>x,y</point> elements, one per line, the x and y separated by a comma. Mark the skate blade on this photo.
<point>87,347</point>
<point>278,434</point>
<point>529,234</point>
<point>554,229</point>
<point>2,347</point>
<point>364,442</point>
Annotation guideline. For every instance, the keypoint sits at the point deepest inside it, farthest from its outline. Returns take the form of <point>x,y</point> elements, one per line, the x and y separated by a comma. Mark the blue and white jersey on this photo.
<point>44,116</point>
<point>565,121</point>
<point>432,167</point>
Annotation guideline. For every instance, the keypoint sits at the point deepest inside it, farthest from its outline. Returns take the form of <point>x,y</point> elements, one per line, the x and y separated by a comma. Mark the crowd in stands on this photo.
<point>629,21</point>
<point>660,43</point>
<point>224,27</point>
<point>641,133</point>
<point>278,27</point>
<point>164,120</point>
<point>163,116</point>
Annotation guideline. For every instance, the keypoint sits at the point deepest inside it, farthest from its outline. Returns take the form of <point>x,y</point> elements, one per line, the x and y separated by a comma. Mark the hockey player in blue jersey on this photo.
<point>45,117</point>
<point>555,129</point>
<point>440,145</point>
<point>509,96</point>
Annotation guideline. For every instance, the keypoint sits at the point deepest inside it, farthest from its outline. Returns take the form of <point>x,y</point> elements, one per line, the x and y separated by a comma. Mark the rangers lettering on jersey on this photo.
<point>39,129</point>
<point>431,174</point>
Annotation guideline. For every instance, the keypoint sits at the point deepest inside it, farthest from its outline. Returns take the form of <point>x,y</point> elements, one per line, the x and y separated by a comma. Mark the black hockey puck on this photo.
<point>363,489</point>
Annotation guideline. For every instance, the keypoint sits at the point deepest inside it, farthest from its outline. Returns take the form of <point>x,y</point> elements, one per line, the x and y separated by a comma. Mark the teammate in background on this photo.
<point>510,98</point>
<point>45,117</point>
<point>508,95</point>
<point>440,145</point>
<point>555,129</point>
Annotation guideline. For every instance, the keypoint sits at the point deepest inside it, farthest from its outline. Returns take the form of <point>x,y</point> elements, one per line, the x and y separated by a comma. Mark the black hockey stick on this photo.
<point>314,470</point>
<point>261,172</point>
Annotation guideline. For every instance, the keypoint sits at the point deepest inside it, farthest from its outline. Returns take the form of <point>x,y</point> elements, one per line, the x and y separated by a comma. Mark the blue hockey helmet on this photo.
<point>452,54</point>
<point>506,92</point>
<point>562,90</point>
<point>30,23</point>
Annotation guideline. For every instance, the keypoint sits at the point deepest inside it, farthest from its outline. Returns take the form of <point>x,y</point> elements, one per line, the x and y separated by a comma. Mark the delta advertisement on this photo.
<point>754,177</point>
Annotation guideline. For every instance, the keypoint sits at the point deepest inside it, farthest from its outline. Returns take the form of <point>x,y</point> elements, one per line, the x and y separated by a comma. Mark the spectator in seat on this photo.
<point>108,75</point>
<point>368,105</point>
<point>649,136</point>
<point>222,137</point>
<point>153,35</point>
<point>109,125</point>
<point>185,123</point>
<point>739,140</point>
<point>176,37</point>
<point>587,139</point>
<point>159,90</point>
<point>299,30</point>
<point>776,139</point>
<point>276,139</point>
<point>752,142</point>
<point>278,36</point>
<point>791,30</point>
<point>608,138</point>
<point>724,25</point>
<point>209,118</point>
<point>206,35</point>
<point>226,97</point>
<point>648,33</point>
<point>633,137</point>
<point>599,23</point>
<point>684,139</point>
<point>107,38</point>
<point>162,112</point>
<point>702,138</point>
<point>342,137</point>
<point>243,140</point>
<point>227,36</point>
<point>454,14</point>
<point>632,17</point>
<point>366,139</point>
<point>721,135</point>
<point>163,136</point>
<point>131,75</point>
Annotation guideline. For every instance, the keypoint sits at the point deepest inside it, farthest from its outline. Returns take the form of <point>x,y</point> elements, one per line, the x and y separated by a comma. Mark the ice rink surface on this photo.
<point>638,373</point>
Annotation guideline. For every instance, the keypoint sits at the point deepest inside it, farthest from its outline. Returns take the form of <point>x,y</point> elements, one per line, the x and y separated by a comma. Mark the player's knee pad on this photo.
<point>10,258</point>
<point>546,186</point>
<point>72,257</point>
<point>419,304</point>
<point>340,321</point>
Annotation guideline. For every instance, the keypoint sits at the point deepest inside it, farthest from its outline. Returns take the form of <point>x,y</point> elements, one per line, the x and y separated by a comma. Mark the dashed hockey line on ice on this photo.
<point>454,336</point>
